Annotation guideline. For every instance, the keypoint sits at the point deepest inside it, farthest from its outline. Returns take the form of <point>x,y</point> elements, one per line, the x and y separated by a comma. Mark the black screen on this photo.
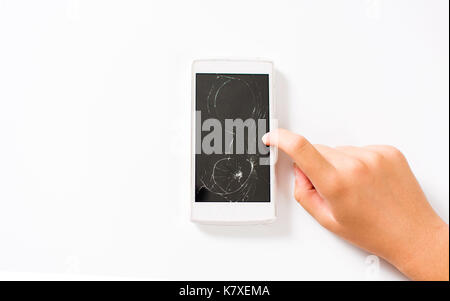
<point>231,162</point>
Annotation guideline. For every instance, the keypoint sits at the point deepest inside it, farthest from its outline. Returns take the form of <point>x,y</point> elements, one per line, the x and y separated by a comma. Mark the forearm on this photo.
<point>428,257</point>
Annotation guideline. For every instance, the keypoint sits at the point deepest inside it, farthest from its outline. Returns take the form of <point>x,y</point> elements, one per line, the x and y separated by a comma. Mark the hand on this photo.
<point>370,197</point>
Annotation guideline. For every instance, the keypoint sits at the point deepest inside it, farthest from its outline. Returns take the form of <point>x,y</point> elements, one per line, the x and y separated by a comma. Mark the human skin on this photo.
<point>370,197</point>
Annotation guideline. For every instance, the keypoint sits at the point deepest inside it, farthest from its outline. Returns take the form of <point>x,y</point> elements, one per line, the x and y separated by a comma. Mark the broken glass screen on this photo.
<point>232,114</point>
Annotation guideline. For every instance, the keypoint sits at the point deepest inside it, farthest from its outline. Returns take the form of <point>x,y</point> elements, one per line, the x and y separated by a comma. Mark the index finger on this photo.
<point>304,154</point>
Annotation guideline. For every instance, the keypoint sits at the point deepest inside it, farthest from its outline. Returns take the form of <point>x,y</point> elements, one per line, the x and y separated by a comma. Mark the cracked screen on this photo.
<point>232,114</point>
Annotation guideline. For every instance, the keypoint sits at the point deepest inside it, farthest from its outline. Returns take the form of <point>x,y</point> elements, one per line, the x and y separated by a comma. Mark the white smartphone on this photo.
<point>232,180</point>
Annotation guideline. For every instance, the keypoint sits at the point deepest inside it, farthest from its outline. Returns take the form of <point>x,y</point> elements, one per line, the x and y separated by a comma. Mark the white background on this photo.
<point>95,125</point>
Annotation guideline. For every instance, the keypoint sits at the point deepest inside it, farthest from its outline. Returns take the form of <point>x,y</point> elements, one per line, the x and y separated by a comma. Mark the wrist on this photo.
<point>425,255</point>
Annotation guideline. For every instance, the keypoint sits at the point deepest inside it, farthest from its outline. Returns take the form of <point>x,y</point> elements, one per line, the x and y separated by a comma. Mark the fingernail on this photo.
<point>265,138</point>
<point>296,170</point>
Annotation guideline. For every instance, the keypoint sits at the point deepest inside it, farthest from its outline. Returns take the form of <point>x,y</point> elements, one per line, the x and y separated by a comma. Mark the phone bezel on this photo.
<point>233,212</point>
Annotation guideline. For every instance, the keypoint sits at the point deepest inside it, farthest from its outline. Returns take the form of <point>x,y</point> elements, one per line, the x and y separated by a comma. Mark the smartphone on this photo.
<point>232,180</point>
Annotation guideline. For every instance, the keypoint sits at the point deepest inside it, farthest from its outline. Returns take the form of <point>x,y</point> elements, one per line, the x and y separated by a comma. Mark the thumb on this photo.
<point>307,196</point>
